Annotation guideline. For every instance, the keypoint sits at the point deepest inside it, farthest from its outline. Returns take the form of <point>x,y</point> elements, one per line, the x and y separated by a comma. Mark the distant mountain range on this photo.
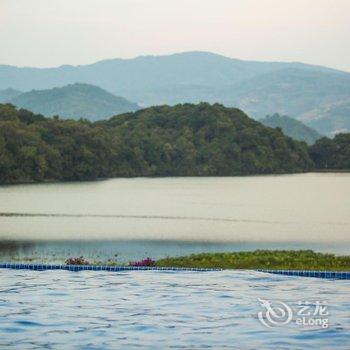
<point>306,92</point>
<point>8,94</point>
<point>74,101</point>
<point>292,128</point>
<point>329,119</point>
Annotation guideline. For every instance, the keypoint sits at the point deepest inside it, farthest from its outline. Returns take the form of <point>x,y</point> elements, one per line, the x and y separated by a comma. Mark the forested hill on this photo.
<point>292,128</point>
<point>332,153</point>
<point>184,140</point>
<point>74,101</point>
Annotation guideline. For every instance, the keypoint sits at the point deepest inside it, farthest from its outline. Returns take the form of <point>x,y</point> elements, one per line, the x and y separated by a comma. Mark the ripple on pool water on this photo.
<point>61,309</point>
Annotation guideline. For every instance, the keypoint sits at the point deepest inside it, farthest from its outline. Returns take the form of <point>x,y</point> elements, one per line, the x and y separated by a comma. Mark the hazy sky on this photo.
<point>53,32</point>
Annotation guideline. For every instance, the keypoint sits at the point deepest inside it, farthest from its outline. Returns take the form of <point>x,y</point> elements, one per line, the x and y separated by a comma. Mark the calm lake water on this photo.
<point>133,218</point>
<point>162,310</point>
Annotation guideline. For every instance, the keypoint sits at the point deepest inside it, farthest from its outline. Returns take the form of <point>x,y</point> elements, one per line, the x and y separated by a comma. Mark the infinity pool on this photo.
<point>152,309</point>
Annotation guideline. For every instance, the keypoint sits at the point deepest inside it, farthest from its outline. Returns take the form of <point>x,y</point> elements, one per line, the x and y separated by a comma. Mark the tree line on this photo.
<point>184,140</point>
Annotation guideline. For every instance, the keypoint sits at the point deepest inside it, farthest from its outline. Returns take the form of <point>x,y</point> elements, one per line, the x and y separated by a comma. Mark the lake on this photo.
<point>138,217</point>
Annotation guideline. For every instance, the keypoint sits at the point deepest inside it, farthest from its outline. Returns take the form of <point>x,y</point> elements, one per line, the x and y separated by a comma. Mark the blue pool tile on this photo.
<point>40,267</point>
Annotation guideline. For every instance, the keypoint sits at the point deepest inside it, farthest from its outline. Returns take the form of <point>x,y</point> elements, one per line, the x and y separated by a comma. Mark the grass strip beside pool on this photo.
<point>261,259</point>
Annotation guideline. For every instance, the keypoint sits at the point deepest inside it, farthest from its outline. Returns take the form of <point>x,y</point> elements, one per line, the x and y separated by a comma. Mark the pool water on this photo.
<point>157,310</point>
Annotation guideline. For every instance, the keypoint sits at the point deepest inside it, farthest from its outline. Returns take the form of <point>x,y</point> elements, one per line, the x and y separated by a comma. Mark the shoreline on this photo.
<point>32,182</point>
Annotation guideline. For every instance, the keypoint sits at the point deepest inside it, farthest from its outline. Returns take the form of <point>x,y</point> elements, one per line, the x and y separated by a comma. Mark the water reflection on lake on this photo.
<point>172,216</point>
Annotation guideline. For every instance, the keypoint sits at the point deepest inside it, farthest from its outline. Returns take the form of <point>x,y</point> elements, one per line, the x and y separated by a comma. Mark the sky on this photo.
<point>46,33</point>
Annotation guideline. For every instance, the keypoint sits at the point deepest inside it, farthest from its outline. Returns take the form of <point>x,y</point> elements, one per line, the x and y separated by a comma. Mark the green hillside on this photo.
<point>292,128</point>
<point>333,153</point>
<point>74,101</point>
<point>184,140</point>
